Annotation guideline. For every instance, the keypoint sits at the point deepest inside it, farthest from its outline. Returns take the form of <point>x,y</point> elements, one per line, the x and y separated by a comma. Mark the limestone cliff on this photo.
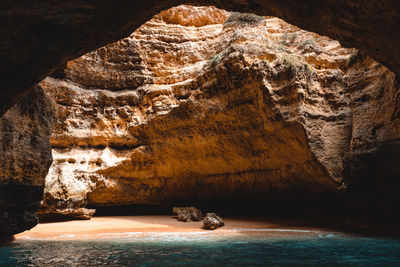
<point>40,36</point>
<point>202,104</point>
<point>25,157</point>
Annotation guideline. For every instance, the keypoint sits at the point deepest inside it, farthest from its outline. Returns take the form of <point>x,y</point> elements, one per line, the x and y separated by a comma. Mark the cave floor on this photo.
<point>125,226</point>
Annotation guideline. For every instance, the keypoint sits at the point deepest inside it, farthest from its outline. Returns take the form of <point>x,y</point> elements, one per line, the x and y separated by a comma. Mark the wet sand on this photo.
<point>99,227</point>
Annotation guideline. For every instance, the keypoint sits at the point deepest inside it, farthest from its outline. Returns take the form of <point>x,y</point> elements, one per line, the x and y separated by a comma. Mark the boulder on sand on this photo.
<point>187,214</point>
<point>212,221</point>
<point>184,217</point>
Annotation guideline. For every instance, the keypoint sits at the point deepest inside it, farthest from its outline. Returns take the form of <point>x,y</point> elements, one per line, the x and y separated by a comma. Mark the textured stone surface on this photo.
<point>212,221</point>
<point>372,165</point>
<point>41,36</point>
<point>51,213</point>
<point>188,108</point>
<point>25,157</point>
<point>18,204</point>
<point>187,214</point>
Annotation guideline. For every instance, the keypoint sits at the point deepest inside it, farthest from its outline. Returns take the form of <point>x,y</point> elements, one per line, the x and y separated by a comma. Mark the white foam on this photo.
<point>273,230</point>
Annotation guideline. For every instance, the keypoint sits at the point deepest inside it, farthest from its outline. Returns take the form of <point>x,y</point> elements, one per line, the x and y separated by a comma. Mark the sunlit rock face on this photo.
<point>202,104</point>
<point>25,157</point>
<point>41,36</point>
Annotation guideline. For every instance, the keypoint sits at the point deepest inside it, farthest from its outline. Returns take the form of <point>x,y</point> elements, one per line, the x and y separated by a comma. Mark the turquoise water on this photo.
<point>242,248</point>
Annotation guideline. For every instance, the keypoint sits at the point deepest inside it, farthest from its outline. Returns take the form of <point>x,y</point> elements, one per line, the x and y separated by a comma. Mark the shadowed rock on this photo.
<point>72,213</point>
<point>187,214</point>
<point>25,156</point>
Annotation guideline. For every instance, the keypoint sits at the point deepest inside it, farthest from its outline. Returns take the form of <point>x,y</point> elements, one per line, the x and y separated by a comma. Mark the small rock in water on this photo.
<point>212,221</point>
<point>187,214</point>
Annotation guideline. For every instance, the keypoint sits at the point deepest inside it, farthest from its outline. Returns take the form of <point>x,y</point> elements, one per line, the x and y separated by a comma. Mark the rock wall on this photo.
<point>25,157</point>
<point>372,165</point>
<point>41,36</point>
<point>200,104</point>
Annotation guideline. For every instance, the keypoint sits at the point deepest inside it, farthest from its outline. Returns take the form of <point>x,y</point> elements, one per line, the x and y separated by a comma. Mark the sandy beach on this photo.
<point>122,225</point>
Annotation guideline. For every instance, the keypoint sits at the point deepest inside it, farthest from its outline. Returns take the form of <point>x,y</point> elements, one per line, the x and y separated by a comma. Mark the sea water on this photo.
<point>240,247</point>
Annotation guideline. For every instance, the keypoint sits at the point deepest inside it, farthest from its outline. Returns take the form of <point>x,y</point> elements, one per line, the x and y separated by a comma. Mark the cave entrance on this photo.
<point>235,113</point>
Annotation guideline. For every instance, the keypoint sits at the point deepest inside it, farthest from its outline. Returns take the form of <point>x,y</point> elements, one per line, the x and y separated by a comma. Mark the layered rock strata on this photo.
<point>202,104</point>
<point>40,36</point>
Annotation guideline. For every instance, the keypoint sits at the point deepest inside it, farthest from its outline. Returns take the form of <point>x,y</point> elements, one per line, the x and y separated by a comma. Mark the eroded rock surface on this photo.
<point>187,214</point>
<point>52,213</point>
<point>372,165</point>
<point>40,36</point>
<point>212,221</point>
<point>202,104</point>
<point>25,157</point>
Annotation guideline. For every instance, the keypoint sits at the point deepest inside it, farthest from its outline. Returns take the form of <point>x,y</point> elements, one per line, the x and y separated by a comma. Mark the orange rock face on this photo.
<point>202,104</point>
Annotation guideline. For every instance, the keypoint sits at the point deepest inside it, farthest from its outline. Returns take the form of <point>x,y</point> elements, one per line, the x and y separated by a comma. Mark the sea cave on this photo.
<point>199,133</point>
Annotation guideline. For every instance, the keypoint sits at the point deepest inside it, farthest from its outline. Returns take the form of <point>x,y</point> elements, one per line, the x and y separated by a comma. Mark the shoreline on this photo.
<point>137,226</point>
